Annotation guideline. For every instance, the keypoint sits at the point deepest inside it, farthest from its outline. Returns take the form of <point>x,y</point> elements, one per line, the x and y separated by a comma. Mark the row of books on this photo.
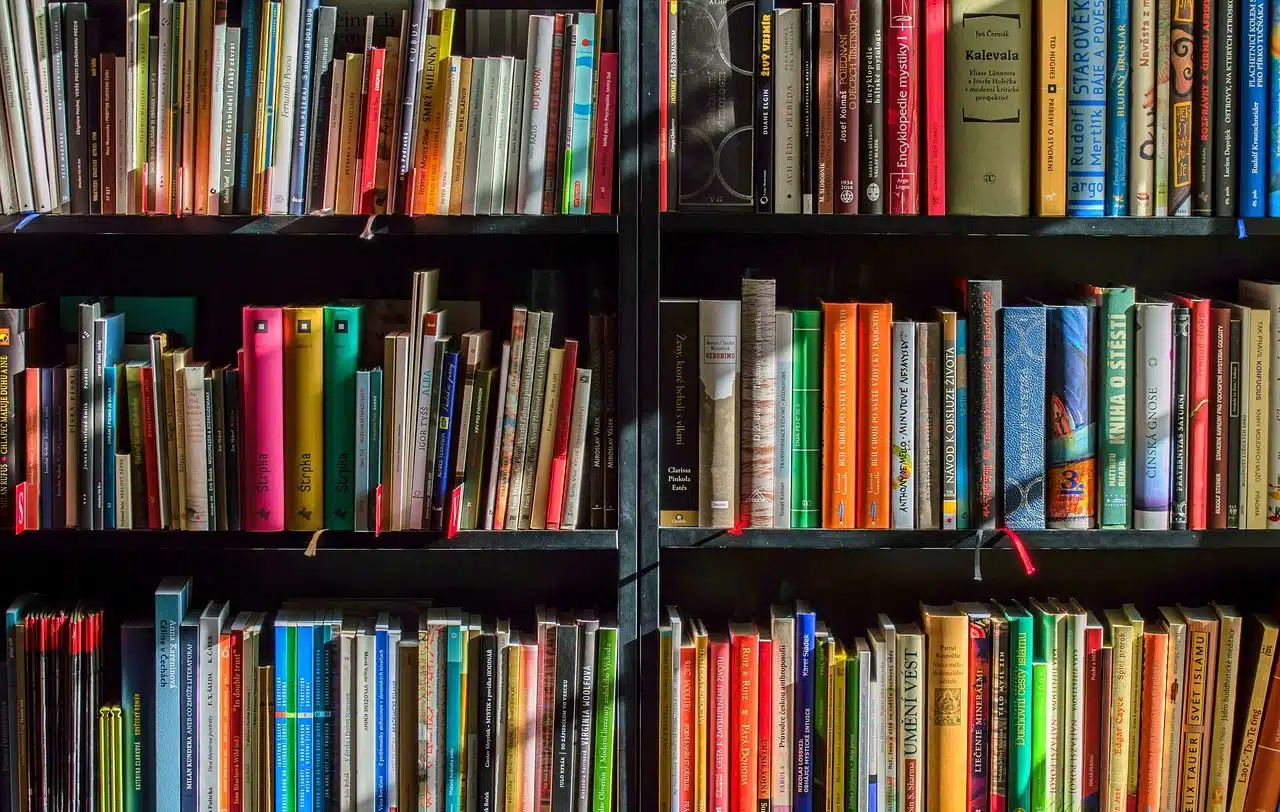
<point>1113,410</point>
<point>298,435</point>
<point>975,706</point>
<point>1083,109</point>
<point>294,107</point>
<point>312,708</point>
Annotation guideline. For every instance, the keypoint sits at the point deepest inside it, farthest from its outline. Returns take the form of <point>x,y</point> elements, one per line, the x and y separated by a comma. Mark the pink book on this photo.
<point>606,116</point>
<point>263,387</point>
<point>935,106</point>
<point>372,119</point>
<point>902,106</point>
<point>560,462</point>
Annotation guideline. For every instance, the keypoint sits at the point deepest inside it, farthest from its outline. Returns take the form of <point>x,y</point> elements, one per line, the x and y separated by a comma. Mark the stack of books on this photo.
<point>974,706</point>
<point>445,430</point>
<point>315,708</point>
<point>969,107</point>
<point>293,107</point>
<point>1112,410</point>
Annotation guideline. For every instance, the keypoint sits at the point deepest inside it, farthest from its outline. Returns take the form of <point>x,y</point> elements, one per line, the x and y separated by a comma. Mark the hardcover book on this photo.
<point>983,302</point>
<point>1071,483</point>
<point>807,420</point>
<point>1051,101</point>
<point>1023,337</point>
<point>874,366</point>
<point>902,90</point>
<point>1153,389</point>
<point>719,325</point>
<point>758,487</point>
<point>304,404</point>
<point>1116,394</point>
<point>264,418</point>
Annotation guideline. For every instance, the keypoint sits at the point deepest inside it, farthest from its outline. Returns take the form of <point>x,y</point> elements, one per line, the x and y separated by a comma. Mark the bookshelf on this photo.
<point>313,225</point>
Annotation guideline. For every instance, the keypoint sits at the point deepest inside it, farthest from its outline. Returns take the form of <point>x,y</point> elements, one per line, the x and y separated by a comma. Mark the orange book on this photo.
<point>744,639</point>
<point>946,729</point>
<point>224,721</point>
<point>1264,785</point>
<point>839,413</point>
<point>688,657</point>
<point>875,362</point>
<point>1155,682</point>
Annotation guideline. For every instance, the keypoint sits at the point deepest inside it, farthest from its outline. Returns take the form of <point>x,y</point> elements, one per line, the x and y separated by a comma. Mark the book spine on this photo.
<point>320,107</point>
<point>1092,700</point>
<point>1197,722</point>
<point>1259,508</point>
<point>1198,459</point>
<point>587,686</point>
<point>764,106</point>
<point>1205,88</point>
<point>137,700</point>
<point>1251,726</point>
<point>870,56</point>
<point>805,680</point>
<point>1051,175</point>
<point>839,427</point>
<point>1219,368</point>
<point>784,329</point>
<point>1217,773</point>
<point>963,495</point>
<point>984,301</point>
<point>1182,50</point>
<point>826,89</point>
<point>947,733</point>
<point>170,606</point>
<point>304,403</point>
<point>1235,382</point>
<point>902,86</point>
<point>1116,388</point>
<point>1153,388</point>
<point>1118,109</point>
<point>1264,786</point>
<point>190,747</point>
<point>759,402</point>
<point>744,712</point>
<point>1151,746</point>
<point>376,66</point>
<point>912,737</point>
<point>440,506</point>
<point>1224,144</point>
<point>806,433</point>
<point>807,110</point>
<point>341,356</point>
<point>875,359</point>
<point>1253,118</point>
<point>305,92</point>
<point>935,114</point>
<point>718,709</point>
<point>1071,480</point>
<point>1086,110</point>
<point>605,134</point>
<point>1181,415</point>
<point>848,124</point>
<point>902,413</point>
<point>717,461</point>
<point>786,112</point>
<point>1162,152</point>
<point>1142,108</point>
<point>1021,709</point>
<point>1023,403</point>
<point>12,434</point>
<point>950,449</point>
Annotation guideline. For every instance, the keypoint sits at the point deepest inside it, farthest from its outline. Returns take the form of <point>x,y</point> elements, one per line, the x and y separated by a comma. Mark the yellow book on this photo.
<point>1120,637</point>
<point>1135,695</point>
<point>270,32</point>
<point>1229,639</point>
<point>349,135</point>
<point>947,707</point>
<point>1197,717</point>
<point>1264,637</point>
<point>178,395</point>
<point>701,706</point>
<point>836,708</point>
<point>1051,112</point>
<point>419,199</point>
<point>1257,350</point>
<point>304,416</point>
<point>547,438</point>
<point>515,725</point>
<point>471,630</point>
<point>665,756</point>
<point>204,103</point>
<point>435,135</point>
<point>459,157</point>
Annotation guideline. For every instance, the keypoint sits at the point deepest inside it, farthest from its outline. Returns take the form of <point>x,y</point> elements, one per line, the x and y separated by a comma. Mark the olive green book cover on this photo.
<point>1115,419</point>
<point>806,417</point>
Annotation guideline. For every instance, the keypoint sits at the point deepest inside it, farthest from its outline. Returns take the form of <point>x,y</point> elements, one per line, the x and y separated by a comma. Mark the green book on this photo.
<point>474,477</point>
<point>1115,396</point>
<point>852,716</point>
<point>287,790</point>
<point>823,651</point>
<point>1051,649</point>
<point>606,691</point>
<point>341,358</point>
<point>137,443</point>
<point>1042,799</point>
<point>1021,648</point>
<point>375,440</point>
<point>806,419</point>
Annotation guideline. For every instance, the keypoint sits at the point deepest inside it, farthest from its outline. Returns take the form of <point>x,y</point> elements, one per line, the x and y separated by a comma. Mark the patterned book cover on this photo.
<point>1153,391</point>
<point>1086,110</point>
<point>1070,486</point>
<point>928,436</point>
<point>719,323</point>
<point>1023,405</point>
<point>1115,399</point>
<point>759,429</point>
<point>1118,109</point>
<point>983,299</point>
<point>264,417</point>
<point>1142,108</point>
<point>1001,674</point>
<point>1162,29</point>
<point>948,429</point>
<point>902,488</point>
<point>839,414</point>
<point>1182,79</point>
<point>806,411</point>
<point>872,464</point>
<point>980,708</point>
<point>1181,410</point>
<point>1252,116</point>
<point>762,165</point>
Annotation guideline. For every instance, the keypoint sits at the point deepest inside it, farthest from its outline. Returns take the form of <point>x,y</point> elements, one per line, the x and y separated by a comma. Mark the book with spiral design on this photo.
<point>1023,405</point>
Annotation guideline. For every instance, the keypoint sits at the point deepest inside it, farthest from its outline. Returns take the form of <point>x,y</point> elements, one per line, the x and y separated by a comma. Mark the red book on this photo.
<point>549,203</point>
<point>902,106</point>
<point>606,140</point>
<point>237,718</point>
<point>720,736</point>
<point>1219,409</point>
<point>263,386</point>
<point>744,641</point>
<point>32,376</point>
<point>149,447</point>
<point>1198,442</point>
<point>846,106</point>
<point>764,723</point>
<point>935,106</point>
<point>1093,685</point>
<point>688,656</point>
<point>560,461</point>
<point>372,119</point>
<point>979,714</point>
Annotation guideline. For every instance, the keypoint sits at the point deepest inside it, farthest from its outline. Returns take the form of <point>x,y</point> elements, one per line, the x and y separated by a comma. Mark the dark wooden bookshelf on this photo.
<point>707,538</point>
<point>338,542</point>
<point>313,225</point>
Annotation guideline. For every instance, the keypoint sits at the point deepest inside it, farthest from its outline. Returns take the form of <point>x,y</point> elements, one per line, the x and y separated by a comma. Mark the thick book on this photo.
<point>341,354</point>
<point>304,340</point>
<point>1223,708</point>
<point>1153,390</point>
<point>1254,420</point>
<point>1071,479</point>
<point>1197,725</point>
<point>983,303</point>
<point>902,103</point>
<point>1164,26</point>
<point>1219,405</point>
<point>805,686</point>
<point>1051,100</point>
<point>988,135</point>
<point>758,486</point>
<point>1267,295</point>
<point>946,734</point>
<point>1198,412</point>
<point>719,326</point>
<point>871,90</point>
<point>1023,333</point>
<point>170,608</point>
<point>1182,73</point>
<point>263,428</point>
<point>1257,673</point>
<point>1117,396</point>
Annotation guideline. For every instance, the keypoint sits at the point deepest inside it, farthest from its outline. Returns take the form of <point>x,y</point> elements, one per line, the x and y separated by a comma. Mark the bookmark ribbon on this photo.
<point>1021,549</point>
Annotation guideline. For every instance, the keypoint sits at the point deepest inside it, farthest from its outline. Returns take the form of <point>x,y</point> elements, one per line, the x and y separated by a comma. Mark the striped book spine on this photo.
<point>1086,110</point>
<point>1182,72</point>
<point>806,416</point>
<point>759,402</point>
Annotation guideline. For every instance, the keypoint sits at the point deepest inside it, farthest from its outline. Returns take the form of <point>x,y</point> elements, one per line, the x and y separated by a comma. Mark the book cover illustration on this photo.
<point>1070,499</point>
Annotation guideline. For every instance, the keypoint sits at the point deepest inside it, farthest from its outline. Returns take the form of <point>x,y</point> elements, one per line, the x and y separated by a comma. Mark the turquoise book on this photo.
<point>1021,652</point>
<point>453,717</point>
<point>1115,399</point>
<point>171,608</point>
<point>577,165</point>
<point>341,359</point>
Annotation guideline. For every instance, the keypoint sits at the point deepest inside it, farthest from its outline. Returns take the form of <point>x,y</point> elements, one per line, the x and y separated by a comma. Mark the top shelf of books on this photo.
<point>333,225</point>
<point>959,226</point>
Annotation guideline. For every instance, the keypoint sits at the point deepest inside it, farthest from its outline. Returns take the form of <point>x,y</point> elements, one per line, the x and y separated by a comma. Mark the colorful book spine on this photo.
<point>341,357</point>
<point>949,451</point>
<point>137,704</point>
<point>762,165</point>
<point>936,19</point>
<point>304,404</point>
<point>805,662</point>
<point>759,403</point>
<point>305,679</point>
<point>983,299</point>
<point>875,360</point>
<point>1116,397</point>
<point>963,515</point>
<point>1182,73</point>
<point>264,418</point>
<point>1202,146</point>
<point>603,739</point>
<point>1087,110</point>
<point>1198,458</point>
<point>1253,110</point>
<point>806,411</point>
<point>839,415</point>
<point>1153,388</point>
<point>1181,416</point>
<point>1069,487</point>
<point>1142,108</point>
<point>1225,106</point>
<point>454,645</point>
<point>1021,707</point>
<point>903,464</point>
<point>381,665</point>
<point>1052,53</point>
<point>1164,22</point>
<point>577,163</point>
<point>446,435</point>
<point>1092,698</point>
<point>840,91</point>
<point>1023,407</point>
<point>189,738</point>
<point>1118,109</point>
<point>286,723</point>
<point>902,94</point>
<point>170,608</point>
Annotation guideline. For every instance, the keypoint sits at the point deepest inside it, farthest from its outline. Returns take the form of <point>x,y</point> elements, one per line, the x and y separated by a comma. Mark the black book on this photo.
<point>762,169</point>
<point>808,109</point>
<point>1233,439</point>
<point>74,16</point>
<point>679,355</point>
<point>983,300</point>
<point>595,426</point>
<point>1202,146</point>
<point>717,63</point>
<point>610,421</point>
<point>56,15</point>
<point>472,710</point>
<point>565,699</point>
<point>12,415</point>
<point>871,159</point>
<point>250,25</point>
<point>321,97</point>
<point>487,799</point>
<point>58,446</point>
<point>93,98</point>
<point>218,511</point>
<point>585,721</point>
<point>672,136</point>
<point>1181,413</point>
<point>231,412</point>
<point>46,448</point>
<point>1225,112</point>
<point>90,383</point>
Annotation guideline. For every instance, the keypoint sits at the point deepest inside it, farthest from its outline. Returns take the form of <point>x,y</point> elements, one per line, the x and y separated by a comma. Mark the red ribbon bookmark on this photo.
<point>1021,549</point>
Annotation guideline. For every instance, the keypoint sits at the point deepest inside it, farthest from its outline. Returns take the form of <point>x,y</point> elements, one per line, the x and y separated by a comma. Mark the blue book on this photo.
<point>1087,110</point>
<point>108,350</point>
<point>250,20</point>
<point>306,680</point>
<point>806,680</point>
<point>283,677</point>
<point>137,706</point>
<point>380,706</point>
<point>171,608</point>
<point>1022,337</point>
<point>454,644</point>
<point>444,442</point>
<point>302,110</point>
<point>577,189</point>
<point>1118,110</point>
<point>271,65</point>
<point>111,379</point>
<point>188,707</point>
<point>326,656</point>
<point>1254,50</point>
<point>1273,118</point>
<point>962,426</point>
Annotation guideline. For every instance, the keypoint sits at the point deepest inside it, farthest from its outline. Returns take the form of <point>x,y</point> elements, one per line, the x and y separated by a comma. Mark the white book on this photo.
<point>418,499</point>
<point>781,745</point>
<point>212,621</point>
<point>785,324</point>
<point>1073,708</point>
<point>344,729</point>
<point>786,112</point>
<point>391,725</point>
<point>1153,383</point>
<point>449,123</point>
<point>1267,295</point>
<point>865,765</point>
<point>218,79</point>
<point>1142,108</point>
<point>8,192</point>
<point>197,473</point>
<point>122,154</point>
<point>902,412</point>
<point>32,116</point>
<point>488,100</point>
<point>475,104</point>
<point>164,58</point>
<point>533,128</point>
<point>501,133</point>
<point>759,412</point>
<point>16,131</point>
<point>577,450</point>
<point>286,103</point>
<point>889,714</point>
<point>491,499</point>
<point>876,712</point>
<point>365,733</point>
<point>1163,24</point>
<point>44,79</point>
<point>124,493</point>
<point>519,108</point>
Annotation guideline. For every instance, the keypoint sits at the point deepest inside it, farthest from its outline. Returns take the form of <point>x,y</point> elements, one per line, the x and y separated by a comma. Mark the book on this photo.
<point>1153,383</point>
<point>718,440</point>
<point>758,487</point>
<point>902,411</point>
<point>1071,476</point>
<point>1023,403</point>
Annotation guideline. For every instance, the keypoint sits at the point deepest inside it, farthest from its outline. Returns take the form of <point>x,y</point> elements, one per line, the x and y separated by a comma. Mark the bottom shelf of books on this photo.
<point>320,704</point>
